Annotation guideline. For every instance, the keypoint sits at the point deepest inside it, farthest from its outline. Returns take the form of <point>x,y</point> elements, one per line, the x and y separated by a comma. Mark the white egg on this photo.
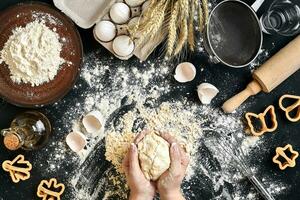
<point>206,92</point>
<point>145,5</point>
<point>76,141</point>
<point>123,45</point>
<point>105,31</point>
<point>134,3</point>
<point>185,72</point>
<point>120,13</point>
<point>133,22</point>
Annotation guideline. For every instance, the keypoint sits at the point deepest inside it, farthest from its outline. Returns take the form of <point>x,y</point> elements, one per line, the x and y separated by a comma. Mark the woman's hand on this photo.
<point>140,187</point>
<point>169,183</point>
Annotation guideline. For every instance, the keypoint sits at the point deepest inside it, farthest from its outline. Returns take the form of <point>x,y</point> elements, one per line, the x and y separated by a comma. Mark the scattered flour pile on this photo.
<point>32,54</point>
<point>133,96</point>
<point>167,117</point>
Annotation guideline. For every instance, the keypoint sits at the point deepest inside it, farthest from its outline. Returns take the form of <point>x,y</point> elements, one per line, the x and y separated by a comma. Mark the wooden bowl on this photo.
<point>24,95</point>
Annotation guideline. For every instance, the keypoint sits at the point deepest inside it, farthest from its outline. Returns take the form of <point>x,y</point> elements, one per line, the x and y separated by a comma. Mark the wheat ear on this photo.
<point>146,28</point>
<point>183,35</point>
<point>205,10</point>
<point>159,21</point>
<point>200,16</point>
<point>144,22</point>
<point>184,8</point>
<point>191,32</point>
<point>172,29</point>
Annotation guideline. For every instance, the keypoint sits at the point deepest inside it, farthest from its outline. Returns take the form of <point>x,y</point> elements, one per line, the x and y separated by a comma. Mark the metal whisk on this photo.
<point>238,157</point>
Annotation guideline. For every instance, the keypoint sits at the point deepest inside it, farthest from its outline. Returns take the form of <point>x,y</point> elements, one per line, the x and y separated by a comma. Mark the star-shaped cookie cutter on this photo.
<point>17,173</point>
<point>290,162</point>
<point>261,117</point>
<point>291,108</point>
<point>50,190</point>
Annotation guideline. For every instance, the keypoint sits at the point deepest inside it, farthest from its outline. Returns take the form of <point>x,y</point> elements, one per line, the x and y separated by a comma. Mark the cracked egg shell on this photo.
<point>76,141</point>
<point>93,122</point>
<point>123,45</point>
<point>105,31</point>
<point>134,3</point>
<point>119,13</point>
<point>185,72</point>
<point>206,92</point>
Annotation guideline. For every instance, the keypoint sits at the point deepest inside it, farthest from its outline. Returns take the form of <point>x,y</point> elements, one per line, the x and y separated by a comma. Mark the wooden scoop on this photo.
<point>277,69</point>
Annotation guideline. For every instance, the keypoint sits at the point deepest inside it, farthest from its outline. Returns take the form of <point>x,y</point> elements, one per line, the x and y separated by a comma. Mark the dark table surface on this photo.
<point>287,132</point>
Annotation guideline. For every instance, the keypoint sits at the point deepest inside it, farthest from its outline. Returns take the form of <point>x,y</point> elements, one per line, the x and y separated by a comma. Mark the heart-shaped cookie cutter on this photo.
<point>290,162</point>
<point>291,108</point>
<point>261,117</point>
<point>17,173</point>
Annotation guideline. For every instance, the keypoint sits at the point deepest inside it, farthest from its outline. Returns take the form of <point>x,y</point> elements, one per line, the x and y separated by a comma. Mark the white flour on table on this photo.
<point>142,89</point>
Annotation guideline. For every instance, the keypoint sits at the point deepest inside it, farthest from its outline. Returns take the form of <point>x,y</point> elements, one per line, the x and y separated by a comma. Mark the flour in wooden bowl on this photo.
<point>32,54</point>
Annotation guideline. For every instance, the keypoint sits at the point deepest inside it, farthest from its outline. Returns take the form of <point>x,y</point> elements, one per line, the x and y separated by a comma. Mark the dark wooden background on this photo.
<point>287,132</point>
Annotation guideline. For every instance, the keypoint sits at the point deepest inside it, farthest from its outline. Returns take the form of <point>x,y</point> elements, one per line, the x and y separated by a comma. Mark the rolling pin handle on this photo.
<point>234,102</point>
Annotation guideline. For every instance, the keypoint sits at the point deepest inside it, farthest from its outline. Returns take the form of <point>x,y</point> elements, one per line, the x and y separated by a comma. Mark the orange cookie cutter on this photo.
<point>291,108</point>
<point>17,173</point>
<point>50,190</point>
<point>261,117</point>
<point>290,162</point>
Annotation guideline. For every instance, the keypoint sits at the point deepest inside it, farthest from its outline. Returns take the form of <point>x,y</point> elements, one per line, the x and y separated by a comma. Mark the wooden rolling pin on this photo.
<point>267,77</point>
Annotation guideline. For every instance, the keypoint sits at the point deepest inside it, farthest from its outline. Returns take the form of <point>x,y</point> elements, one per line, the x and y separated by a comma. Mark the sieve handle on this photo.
<point>256,5</point>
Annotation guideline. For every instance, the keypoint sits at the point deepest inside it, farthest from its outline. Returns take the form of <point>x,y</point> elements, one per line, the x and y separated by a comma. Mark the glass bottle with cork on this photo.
<point>29,130</point>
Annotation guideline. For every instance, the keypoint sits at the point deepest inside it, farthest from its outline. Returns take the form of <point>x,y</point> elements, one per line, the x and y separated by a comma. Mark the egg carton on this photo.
<point>111,19</point>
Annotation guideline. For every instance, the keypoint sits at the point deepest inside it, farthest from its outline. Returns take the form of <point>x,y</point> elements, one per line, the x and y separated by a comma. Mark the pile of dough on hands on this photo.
<point>153,155</point>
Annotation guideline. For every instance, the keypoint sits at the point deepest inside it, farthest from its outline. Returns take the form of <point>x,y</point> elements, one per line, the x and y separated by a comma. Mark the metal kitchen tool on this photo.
<point>267,77</point>
<point>282,17</point>
<point>236,153</point>
<point>233,35</point>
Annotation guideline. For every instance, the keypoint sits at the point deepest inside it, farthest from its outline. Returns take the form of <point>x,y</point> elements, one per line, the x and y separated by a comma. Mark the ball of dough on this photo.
<point>153,155</point>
